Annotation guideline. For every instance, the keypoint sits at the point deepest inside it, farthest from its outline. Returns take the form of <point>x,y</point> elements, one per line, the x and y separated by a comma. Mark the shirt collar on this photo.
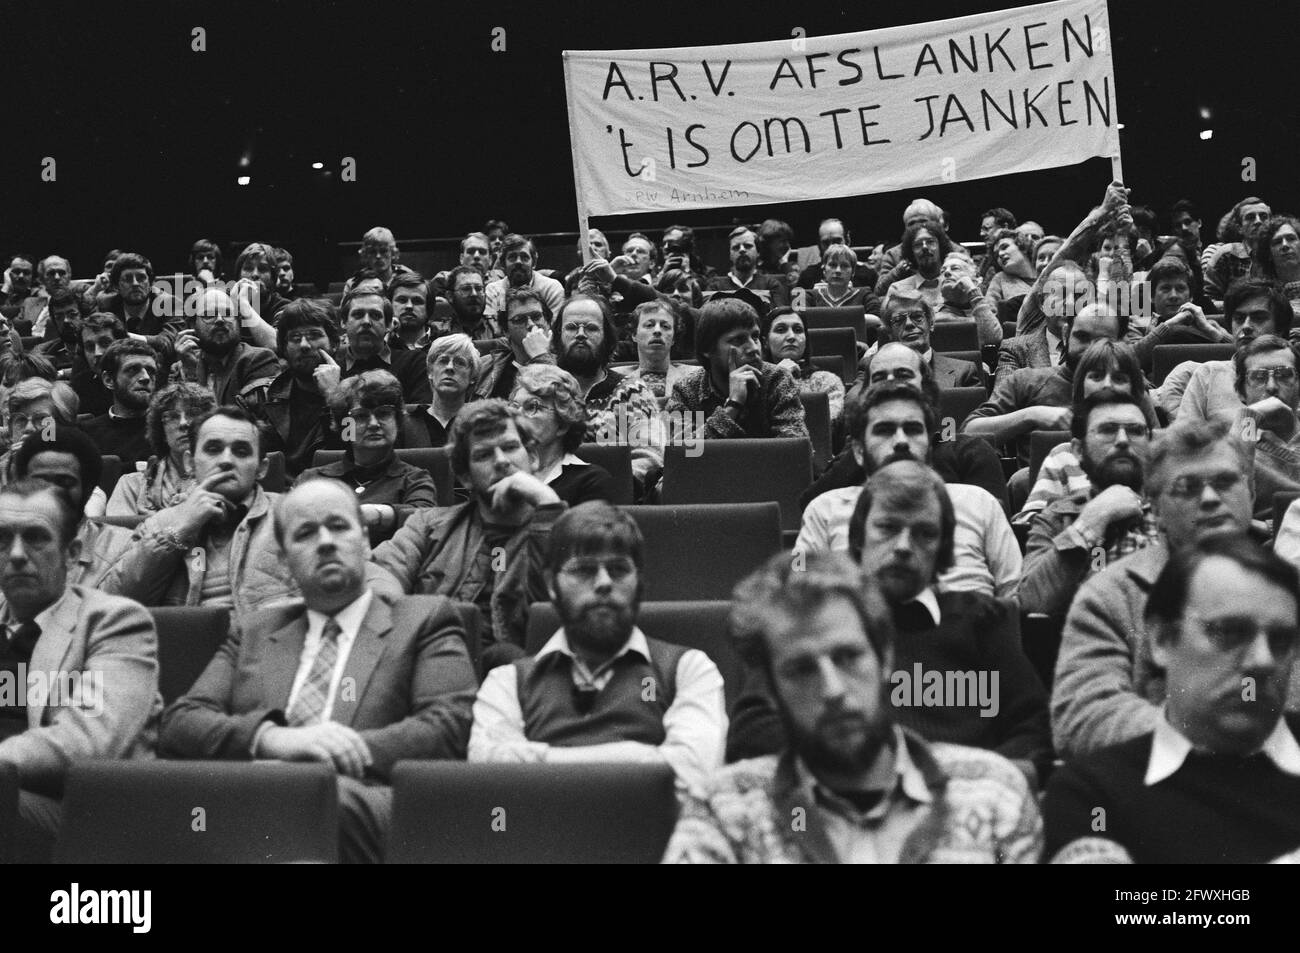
<point>568,460</point>
<point>1053,342</point>
<point>559,642</point>
<point>908,778</point>
<point>1170,748</point>
<point>930,602</point>
<point>349,617</point>
<point>928,356</point>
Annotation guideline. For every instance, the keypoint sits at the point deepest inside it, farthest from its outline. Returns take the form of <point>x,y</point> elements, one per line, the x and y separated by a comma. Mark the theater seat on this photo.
<point>1041,443</point>
<point>198,812</point>
<point>276,479</point>
<point>1165,357</point>
<point>188,637</point>
<point>698,625</point>
<point>817,417</point>
<point>948,336</point>
<point>702,551</point>
<point>851,316</point>
<point>452,812</point>
<point>618,461</point>
<point>110,473</point>
<point>745,470</point>
<point>436,460</point>
<point>838,346</point>
<point>957,403</point>
<point>8,812</point>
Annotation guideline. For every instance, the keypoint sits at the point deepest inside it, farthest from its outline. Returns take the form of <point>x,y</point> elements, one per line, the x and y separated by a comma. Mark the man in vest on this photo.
<point>599,689</point>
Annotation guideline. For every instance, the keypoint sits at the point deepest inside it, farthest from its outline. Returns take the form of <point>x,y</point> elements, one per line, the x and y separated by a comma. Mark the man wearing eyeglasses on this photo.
<point>213,355</point>
<point>1269,387</point>
<point>909,321</point>
<point>1108,687</point>
<point>600,689</point>
<point>1074,538</point>
<point>1214,776</point>
<point>527,341</point>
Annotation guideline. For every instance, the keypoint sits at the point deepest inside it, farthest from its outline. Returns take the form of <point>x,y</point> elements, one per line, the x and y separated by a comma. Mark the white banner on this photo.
<point>819,117</point>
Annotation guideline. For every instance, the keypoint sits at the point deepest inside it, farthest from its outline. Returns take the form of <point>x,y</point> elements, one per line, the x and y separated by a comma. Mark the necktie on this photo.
<point>309,707</point>
<point>22,640</point>
<point>1060,352</point>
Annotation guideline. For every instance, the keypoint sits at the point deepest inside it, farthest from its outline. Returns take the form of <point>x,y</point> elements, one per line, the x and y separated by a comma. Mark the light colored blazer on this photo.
<point>112,646</point>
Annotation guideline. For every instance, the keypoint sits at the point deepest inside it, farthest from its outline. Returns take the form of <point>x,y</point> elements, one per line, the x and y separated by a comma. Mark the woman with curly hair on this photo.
<point>551,400</point>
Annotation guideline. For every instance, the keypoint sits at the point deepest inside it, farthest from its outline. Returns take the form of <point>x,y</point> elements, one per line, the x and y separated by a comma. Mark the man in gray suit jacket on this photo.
<point>344,677</point>
<point>79,667</point>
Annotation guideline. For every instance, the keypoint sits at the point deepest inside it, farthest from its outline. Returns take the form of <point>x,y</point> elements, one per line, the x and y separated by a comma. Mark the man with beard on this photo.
<point>468,297</point>
<point>895,421</point>
<point>151,317</point>
<point>409,295</point>
<point>279,688</point>
<point>924,249</point>
<point>474,253</point>
<point>1073,538</point>
<point>519,259</point>
<point>19,293</point>
<point>735,392</point>
<point>212,354</point>
<point>1214,777</point>
<point>849,784</point>
<point>582,696</point>
<point>295,404</point>
<point>744,273</point>
<point>62,329</point>
<point>129,371</point>
<point>618,407</point>
<point>1231,260</point>
<point>491,550</point>
<point>55,275</point>
<point>284,276</point>
<point>367,318</point>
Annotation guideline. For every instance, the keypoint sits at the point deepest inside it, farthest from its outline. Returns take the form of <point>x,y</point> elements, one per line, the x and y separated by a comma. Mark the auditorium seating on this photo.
<point>188,637</point>
<point>696,624</point>
<point>199,812</point>
<point>8,812</point>
<point>852,316</point>
<point>744,470</point>
<point>1041,443</point>
<point>957,403</point>
<point>436,460</point>
<point>614,458</point>
<point>832,344</point>
<point>1165,357</point>
<point>817,418</point>
<point>701,551</point>
<point>453,812</point>
<point>948,336</point>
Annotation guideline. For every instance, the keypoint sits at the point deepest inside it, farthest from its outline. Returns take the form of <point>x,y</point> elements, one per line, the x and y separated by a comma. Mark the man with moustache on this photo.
<point>582,696</point>
<point>152,317</point>
<point>1231,260</point>
<point>519,259</point>
<point>744,273</point>
<point>129,371</point>
<point>467,295</point>
<point>1215,776</point>
<point>367,316</point>
<point>527,321</point>
<point>924,249</point>
<point>212,354</point>
<point>850,785</point>
<point>295,404</point>
<point>1073,538</point>
<point>409,295</point>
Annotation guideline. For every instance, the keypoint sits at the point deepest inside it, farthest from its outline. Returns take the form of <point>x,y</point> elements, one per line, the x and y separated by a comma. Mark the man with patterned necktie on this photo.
<point>343,677</point>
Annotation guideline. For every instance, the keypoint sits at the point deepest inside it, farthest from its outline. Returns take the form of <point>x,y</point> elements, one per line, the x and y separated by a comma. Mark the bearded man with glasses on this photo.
<point>1109,685</point>
<point>584,696</point>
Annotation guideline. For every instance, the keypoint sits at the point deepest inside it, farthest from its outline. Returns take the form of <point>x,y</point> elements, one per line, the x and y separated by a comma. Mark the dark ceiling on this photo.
<point>147,134</point>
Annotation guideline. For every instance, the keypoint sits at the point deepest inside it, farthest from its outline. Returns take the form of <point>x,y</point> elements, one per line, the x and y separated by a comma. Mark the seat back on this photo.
<point>615,458</point>
<point>110,473</point>
<point>948,336</point>
<point>835,344</point>
<point>817,417</point>
<point>436,460</point>
<point>276,479</point>
<point>851,316</point>
<point>701,551</point>
<point>1041,443</point>
<point>188,637</point>
<point>695,624</point>
<point>453,812</point>
<point>957,403</point>
<point>8,812</point>
<point>1165,357</point>
<point>149,812</point>
<point>745,470</point>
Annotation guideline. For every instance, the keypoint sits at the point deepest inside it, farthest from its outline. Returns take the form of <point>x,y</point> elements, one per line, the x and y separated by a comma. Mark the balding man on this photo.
<point>278,689</point>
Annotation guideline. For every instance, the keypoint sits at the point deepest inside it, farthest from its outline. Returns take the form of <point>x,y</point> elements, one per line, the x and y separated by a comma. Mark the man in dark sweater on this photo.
<point>129,370</point>
<point>599,689</point>
<point>1218,779</point>
<point>959,673</point>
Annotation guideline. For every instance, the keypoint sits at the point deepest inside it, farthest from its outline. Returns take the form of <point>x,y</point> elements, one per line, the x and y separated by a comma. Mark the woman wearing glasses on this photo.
<point>368,412</point>
<point>551,400</point>
<point>169,477</point>
<point>452,364</point>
